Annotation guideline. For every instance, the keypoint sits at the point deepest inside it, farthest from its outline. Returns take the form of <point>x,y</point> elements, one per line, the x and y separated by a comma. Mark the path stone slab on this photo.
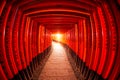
<point>57,67</point>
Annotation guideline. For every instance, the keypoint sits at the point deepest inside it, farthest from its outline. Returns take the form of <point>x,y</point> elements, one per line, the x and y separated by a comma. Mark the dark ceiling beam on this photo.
<point>56,20</point>
<point>59,26</point>
<point>37,9</point>
<point>58,14</point>
<point>58,4</point>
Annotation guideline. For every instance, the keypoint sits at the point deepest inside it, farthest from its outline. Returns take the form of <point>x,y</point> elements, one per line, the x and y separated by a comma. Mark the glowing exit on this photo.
<point>57,37</point>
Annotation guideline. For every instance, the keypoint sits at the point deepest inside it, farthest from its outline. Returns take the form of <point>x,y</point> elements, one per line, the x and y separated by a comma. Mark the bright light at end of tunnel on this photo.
<point>58,36</point>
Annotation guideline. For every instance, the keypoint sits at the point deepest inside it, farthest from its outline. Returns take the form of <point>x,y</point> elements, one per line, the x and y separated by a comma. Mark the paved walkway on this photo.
<point>57,67</point>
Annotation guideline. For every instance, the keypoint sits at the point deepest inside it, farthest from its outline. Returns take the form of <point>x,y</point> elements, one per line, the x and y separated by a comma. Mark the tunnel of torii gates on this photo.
<point>90,28</point>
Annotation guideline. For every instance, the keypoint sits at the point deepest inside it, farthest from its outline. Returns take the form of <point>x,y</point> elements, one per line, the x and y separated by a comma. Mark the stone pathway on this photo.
<point>57,67</point>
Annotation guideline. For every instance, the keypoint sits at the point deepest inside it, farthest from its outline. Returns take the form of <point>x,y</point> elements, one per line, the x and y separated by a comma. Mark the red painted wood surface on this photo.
<point>21,47</point>
<point>2,74</point>
<point>15,41</point>
<point>90,28</point>
<point>26,37</point>
<point>3,57</point>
